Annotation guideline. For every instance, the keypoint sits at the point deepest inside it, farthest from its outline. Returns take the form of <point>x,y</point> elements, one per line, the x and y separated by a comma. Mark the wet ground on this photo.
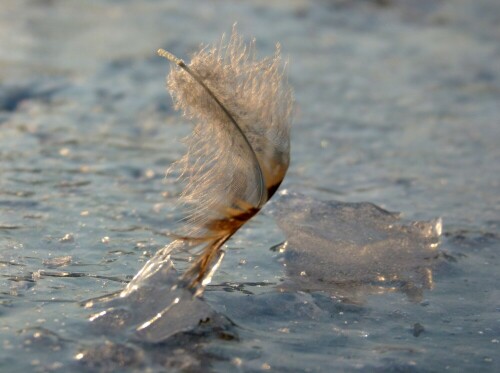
<point>397,105</point>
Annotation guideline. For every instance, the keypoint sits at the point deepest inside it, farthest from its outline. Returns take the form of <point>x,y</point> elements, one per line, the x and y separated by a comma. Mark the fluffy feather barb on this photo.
<point>238,152</point>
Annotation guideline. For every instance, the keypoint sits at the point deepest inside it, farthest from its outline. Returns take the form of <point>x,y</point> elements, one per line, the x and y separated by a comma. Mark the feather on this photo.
<point>238,152</point>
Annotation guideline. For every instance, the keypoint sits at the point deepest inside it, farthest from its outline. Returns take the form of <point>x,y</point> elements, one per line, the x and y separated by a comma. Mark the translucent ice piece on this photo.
<point>154,306</point>
<point>338,247</point>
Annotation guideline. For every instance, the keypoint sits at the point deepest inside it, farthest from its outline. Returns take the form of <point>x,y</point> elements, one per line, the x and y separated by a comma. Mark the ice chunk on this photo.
<point>154,306</point>
<point>339,246</point>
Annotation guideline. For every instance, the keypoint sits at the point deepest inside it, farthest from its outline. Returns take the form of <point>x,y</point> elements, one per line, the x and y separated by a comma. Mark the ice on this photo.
<point>154,306</point>
<point>345,248</point>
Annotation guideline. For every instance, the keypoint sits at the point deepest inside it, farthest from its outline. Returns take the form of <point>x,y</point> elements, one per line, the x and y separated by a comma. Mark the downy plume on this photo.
<point>238,152</point>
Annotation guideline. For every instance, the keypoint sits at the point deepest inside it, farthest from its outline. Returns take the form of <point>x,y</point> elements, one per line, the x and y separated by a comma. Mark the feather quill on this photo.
<point>238,152</point>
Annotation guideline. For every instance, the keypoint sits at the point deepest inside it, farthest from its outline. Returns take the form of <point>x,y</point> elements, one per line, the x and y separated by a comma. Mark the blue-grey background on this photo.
<point>397,103</point>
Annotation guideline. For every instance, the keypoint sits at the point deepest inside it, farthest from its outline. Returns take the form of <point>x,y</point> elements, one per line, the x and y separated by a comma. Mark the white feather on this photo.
<point>238,152</point>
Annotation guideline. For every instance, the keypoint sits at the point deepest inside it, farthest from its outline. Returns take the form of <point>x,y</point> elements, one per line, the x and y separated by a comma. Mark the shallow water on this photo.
<point>397,104</point>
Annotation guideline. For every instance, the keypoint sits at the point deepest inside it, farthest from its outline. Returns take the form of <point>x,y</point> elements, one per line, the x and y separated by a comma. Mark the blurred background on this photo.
<point>397,103</point>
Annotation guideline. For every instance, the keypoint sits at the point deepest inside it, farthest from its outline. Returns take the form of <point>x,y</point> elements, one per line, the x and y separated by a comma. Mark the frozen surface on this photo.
<point>397,104</point>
